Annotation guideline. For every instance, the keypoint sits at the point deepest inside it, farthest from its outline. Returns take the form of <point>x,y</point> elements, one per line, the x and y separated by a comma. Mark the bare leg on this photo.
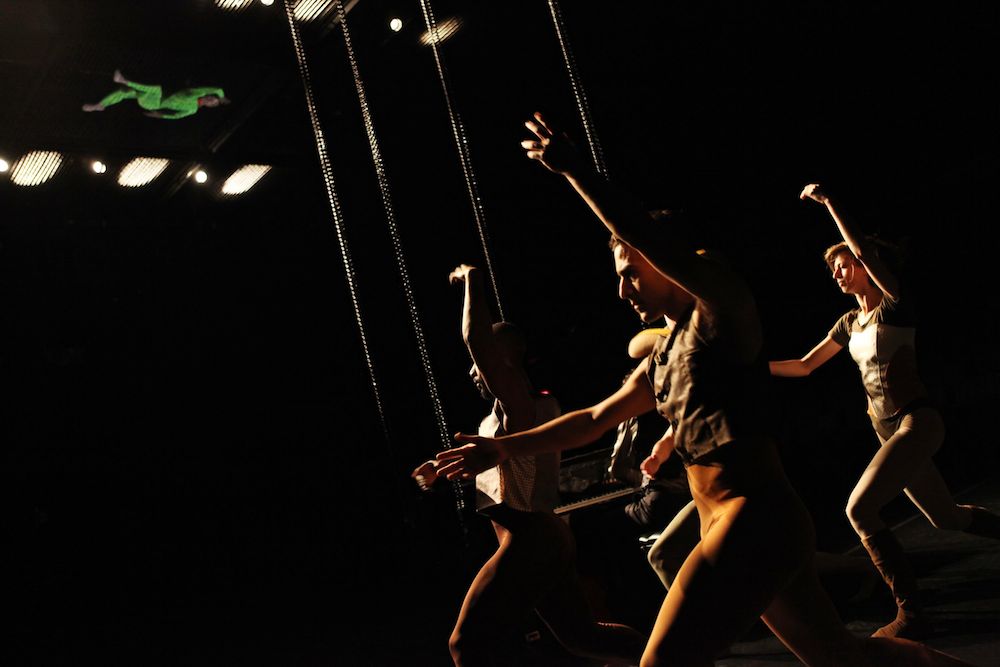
<point>804,619</point>
<point>533,567</point>
<point>903,463</point>
<point>749,551</point>
<point>668,552</point>
<point>904,460</point>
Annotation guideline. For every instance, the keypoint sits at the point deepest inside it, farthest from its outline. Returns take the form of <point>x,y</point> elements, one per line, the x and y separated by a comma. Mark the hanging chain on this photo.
<point>578,92</point>
<point>397,244</point>
<point>338,217</point>
<point>462,143</point>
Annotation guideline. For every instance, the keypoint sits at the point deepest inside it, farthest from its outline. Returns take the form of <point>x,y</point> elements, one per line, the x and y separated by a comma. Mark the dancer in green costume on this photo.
<point>181,104</point>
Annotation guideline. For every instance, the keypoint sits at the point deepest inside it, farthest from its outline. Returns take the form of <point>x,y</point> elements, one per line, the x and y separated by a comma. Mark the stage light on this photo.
<point>310,10</point>
<point>141,171</point>
<point>233,5</point>
<point>244,178</point>
<point>35,168</point>
<point>445,30</point>
<point>98,167</point>
<point>395,24</point>
<point>200,176</point>
<point>4,166</point>
<point>267,3</point>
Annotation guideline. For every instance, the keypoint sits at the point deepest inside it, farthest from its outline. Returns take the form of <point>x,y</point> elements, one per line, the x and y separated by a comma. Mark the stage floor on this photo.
<point>960,580</point>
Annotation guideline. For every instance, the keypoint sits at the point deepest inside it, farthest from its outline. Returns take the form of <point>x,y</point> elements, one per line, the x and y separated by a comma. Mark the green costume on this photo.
<point>182,103</point>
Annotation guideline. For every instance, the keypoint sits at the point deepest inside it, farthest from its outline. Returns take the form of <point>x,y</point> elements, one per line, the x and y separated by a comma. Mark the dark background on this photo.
<point>197,471</point>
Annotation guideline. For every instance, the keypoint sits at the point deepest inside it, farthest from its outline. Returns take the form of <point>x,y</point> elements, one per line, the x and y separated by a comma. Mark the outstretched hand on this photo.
<point>469,460</point>
<point>552,148</point>
<point>815,192</point>
<point>425,474</point>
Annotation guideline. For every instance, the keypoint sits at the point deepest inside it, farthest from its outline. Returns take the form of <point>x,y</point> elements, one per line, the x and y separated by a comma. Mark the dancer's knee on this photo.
<point>655,558</point>
<point>468,648</point>
<point>863,515</point>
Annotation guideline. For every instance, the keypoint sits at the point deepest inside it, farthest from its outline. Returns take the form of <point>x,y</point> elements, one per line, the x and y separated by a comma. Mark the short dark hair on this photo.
<point>830,254</point>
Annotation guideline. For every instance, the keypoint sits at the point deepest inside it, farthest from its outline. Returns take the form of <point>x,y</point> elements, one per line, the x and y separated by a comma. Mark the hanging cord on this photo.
<point>462,143</point>
<point>338,217</point>
<point>578,92</point>
<point>397,246</point>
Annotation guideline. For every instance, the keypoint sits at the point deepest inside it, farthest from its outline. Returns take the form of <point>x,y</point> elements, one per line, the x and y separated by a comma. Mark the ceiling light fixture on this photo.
<point>310,10</point>
<point>244,178</point>
<point>234,5</point>
<point>35,168</point>
<point>445,30</point>
<point>141,171</point>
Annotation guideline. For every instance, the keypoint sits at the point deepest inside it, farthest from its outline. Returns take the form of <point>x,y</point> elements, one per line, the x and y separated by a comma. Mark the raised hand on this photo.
<point>815,192</point>
<point>552,148</point>
<point>460,273</point>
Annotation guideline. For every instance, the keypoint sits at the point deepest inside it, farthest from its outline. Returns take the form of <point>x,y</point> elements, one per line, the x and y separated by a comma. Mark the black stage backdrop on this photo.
<point>196,469</point>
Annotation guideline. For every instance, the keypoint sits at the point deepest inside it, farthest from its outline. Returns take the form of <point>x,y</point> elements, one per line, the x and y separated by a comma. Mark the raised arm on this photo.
<point>856,241</point>
<point>498,355</point>
<point>626,218</point>
<point>573,429</point>
<point>816,357</point>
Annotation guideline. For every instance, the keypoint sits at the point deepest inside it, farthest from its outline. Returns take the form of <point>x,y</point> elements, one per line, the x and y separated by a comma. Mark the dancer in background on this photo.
<point>534,566</point>
<point>880,334</point>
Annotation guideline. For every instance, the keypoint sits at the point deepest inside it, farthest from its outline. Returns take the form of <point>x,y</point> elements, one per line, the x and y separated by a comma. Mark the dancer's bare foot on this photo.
<point>118,77</point>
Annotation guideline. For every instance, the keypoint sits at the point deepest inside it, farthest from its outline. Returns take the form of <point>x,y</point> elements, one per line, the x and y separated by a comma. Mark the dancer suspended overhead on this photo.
<point>707,379</point>
<point>880,334</point>
<point>180,104</point>
<point>534,564</point>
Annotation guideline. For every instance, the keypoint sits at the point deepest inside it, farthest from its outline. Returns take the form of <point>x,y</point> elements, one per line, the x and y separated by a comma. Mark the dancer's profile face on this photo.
<point>847,272</point>
<point>646,289</point>
<point>477,380</point>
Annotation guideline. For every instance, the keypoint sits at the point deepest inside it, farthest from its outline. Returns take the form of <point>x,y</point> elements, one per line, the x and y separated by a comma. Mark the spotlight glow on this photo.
<point>4,166</point>
<point>233,5</point>
<point>98,167</point>
<point>200,176</point>
<point>141,171</point>
<point>445,30</point>
<point>267,3</point>
<point>244,178</point>
<point>35,168</point>
<point>395,24</point>
<point>310,10</point>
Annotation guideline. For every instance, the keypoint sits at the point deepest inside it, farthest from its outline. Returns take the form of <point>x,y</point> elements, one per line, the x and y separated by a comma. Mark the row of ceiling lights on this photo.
<point>310,10</point>
<point>37,167</point>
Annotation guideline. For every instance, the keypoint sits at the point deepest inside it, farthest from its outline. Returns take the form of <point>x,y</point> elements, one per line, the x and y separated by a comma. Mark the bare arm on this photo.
<point>661,451</point>
<point>862,248</point>
<point>502,375</point>
<point>573,429</point>
<point>816,357</point>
